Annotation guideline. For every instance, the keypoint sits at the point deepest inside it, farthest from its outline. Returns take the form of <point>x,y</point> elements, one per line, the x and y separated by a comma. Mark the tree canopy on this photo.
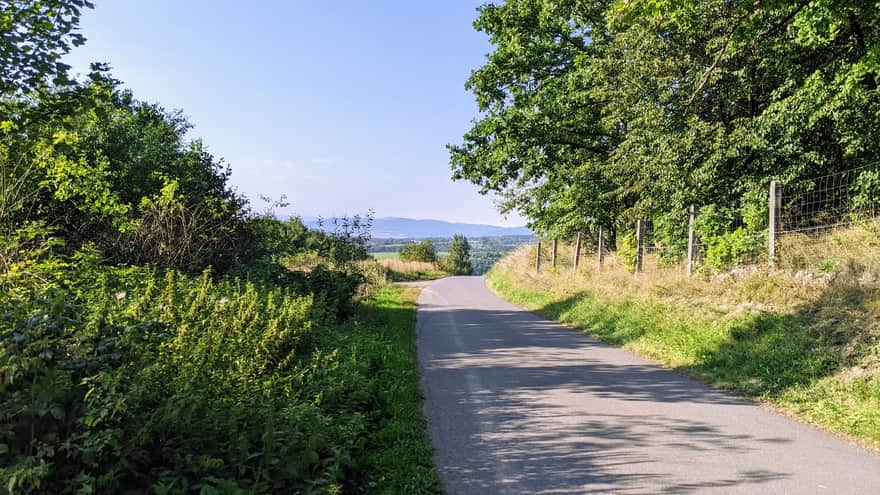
<point>423,251</point>
<point>596,113</point>
<point>34,34</point>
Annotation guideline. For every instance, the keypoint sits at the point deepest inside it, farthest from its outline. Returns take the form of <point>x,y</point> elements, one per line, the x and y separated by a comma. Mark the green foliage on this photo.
<point>733,248</point>
<point>458,262</point>
<point>726,246</point>
<point>603,113</point>
<point>34,34</point>
<point>419,251</point>
<point>867,191</point>
<point>107,169</point>
<point>627,251</point>
<point>671,231</point>
<point>116,379</point>
<point>287,239</point>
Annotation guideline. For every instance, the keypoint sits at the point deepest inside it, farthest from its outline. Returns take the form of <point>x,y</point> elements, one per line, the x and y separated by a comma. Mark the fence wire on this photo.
<point>835,200</point>
<point>738,236</point>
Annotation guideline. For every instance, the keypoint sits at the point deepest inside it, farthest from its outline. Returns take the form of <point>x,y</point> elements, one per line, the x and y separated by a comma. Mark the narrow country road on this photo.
<point>520,405</point>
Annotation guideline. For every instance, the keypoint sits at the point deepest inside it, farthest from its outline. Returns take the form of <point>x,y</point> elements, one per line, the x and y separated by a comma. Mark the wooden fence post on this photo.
<point>692,241</point>
<point>577,252</point>
<point>601,252</point>
<point>538,259</point>
<point>553,258</point>
<point>640,245</point>
<point>775,206</point>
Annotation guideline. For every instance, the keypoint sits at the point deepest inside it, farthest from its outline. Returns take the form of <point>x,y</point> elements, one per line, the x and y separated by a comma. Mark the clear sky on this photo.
<point>341,105</point>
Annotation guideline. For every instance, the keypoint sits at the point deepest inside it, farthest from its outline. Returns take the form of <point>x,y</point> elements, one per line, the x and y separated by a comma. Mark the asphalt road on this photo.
<point>517,404</point>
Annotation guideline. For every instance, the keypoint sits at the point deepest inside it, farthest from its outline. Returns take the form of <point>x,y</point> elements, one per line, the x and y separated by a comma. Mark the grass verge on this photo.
<point>812,352</point>
<point>380,345</point>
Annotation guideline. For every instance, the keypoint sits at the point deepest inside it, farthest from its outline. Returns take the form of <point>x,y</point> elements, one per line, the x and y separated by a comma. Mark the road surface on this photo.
<point>520,405</point>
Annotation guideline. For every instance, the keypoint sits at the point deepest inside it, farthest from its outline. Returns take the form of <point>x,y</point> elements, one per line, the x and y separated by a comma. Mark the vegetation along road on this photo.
<point>518,404</point>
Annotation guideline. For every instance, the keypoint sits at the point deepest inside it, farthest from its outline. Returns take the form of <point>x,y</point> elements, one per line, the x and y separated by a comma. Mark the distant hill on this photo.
<point>408,228</point>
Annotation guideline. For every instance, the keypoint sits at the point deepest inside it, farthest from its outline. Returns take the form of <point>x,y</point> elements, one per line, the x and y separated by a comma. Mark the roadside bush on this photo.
<point>725,246</point>
<point>171,232</point>
<point>107,169</point>
<point>866,191</point>
<point>118,379</point>
<point>627,251</point>
<point>670,231</point>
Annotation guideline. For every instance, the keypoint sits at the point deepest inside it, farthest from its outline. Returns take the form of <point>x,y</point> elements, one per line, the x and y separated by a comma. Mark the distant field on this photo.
<point>485,251</point>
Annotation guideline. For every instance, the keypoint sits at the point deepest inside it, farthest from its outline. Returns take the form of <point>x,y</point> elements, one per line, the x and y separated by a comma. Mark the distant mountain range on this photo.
<point>408,228</point>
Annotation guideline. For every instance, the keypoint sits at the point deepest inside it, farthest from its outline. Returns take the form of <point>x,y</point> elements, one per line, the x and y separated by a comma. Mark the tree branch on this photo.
<point>708,73</point>
<point>787,19</point>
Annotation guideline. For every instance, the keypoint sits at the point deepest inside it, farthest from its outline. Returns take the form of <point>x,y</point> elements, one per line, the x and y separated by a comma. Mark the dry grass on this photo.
<point>399,266</point>
<point>851,251</point>
<point>404,271</point>
<point>668,284</point>
<point>806,265</point>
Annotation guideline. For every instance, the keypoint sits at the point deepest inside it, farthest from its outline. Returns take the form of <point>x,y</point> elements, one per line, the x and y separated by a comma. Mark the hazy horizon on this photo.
<point>309,218</point>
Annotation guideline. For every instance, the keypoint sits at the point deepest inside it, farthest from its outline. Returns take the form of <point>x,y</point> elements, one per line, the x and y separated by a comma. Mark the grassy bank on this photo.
<point>379,345</point>
<point>812,351</point>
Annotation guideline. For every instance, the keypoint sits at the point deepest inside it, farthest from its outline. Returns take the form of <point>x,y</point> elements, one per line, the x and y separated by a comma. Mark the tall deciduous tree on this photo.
<point>596,113</point>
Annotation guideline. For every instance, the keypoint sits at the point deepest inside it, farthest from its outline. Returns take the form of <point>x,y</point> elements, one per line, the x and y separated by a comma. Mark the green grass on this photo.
<point>819,361</point>
<point>379,345</point>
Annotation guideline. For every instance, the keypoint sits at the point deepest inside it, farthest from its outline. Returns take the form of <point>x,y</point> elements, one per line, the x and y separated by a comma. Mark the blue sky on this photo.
<point>342,106</point>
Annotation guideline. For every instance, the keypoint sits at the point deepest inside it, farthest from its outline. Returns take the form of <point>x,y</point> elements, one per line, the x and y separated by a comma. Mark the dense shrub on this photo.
<point>627,250</point>
<point>107,169</point>
<point>127,378</point>
<point>727,244</point>
<point>670,231</point>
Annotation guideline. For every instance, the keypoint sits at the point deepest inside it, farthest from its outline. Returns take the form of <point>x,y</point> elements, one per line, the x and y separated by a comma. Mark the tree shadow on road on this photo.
<point>513,400</point>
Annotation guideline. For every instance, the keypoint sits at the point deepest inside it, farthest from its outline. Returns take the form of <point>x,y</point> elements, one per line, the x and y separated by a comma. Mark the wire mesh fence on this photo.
<point>832,201</point>
<point>827,220</point>
<point>815,223</point>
